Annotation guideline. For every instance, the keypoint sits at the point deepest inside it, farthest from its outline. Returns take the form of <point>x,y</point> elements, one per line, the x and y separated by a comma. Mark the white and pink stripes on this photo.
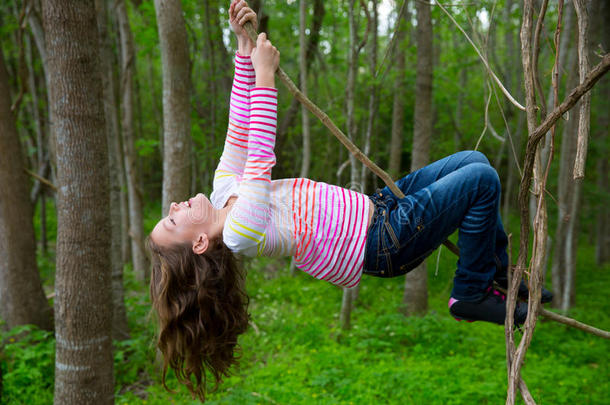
<point>323,226</point>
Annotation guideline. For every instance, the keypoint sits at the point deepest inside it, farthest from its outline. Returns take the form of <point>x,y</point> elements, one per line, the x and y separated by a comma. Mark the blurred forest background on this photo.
<point>79,195</point>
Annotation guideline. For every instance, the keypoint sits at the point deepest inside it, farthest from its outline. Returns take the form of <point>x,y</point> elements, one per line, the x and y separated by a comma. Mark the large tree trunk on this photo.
<point>136,232</point>
<point>415,298</point>
<point>398,113</point>
<point>22,299</point>
<point>120,329</point>
<point>176,102</point>
<point>83,312</point>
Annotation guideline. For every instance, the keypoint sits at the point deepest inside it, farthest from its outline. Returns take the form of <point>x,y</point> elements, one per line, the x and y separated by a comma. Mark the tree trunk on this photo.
<point>415,298</point>
<point>399,97</point>
<point>41,165</point>
<point>565,194</point>
<point>601,35</point>
<point>176,102</point>
<point>83,312</point>
<point>22,299</point>
<point>352,71</point>
<point>136,232</point>
<point>289,114</point>
<point>373,93</point>
<point>120,329</point>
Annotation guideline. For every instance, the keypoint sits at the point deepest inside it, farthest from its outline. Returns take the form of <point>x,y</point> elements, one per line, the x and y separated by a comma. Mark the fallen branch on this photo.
<point>569,321</point>
<point>574,323</point>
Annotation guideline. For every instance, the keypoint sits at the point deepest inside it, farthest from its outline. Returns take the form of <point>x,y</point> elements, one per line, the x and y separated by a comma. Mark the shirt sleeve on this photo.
<point>235,152</point>
<point>244,229</point>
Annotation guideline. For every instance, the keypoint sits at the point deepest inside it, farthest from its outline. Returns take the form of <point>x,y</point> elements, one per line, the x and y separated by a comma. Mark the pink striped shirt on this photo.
<point>323,226</point>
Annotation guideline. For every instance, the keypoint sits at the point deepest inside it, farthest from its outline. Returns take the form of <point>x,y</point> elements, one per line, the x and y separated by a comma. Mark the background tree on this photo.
<point>120,329</point>
<point>127,60</point>
<point>83,301</point>
<point>22,299</point>
<point>398,106</point>
<point>176,102</point>
<point>415,297</point>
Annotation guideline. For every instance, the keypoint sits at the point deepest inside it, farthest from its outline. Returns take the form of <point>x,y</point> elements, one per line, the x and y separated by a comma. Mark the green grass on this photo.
<point>300,356</point>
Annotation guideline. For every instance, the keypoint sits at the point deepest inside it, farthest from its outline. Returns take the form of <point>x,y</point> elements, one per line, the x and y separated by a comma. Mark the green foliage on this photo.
<point>297,354</point>
<point>27,359</point>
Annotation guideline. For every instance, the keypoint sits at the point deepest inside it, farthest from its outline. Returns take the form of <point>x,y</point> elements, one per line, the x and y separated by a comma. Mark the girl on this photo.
<point>333,233</point>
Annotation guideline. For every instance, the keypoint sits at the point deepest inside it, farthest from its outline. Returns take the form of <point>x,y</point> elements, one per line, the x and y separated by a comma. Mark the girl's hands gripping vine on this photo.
<point>265,59</point>
<point>239,14</point>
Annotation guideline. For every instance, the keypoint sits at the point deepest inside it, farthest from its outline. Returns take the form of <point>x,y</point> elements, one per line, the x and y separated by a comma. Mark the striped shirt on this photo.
<point>322,226</point>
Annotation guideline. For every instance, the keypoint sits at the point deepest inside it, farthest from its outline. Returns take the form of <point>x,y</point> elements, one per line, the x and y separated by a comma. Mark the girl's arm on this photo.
<point>245,227</point>
<point>235,152</point>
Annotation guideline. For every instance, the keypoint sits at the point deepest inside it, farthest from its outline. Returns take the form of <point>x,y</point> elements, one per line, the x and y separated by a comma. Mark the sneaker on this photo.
<point>491,308</point>
<point>501,278</point>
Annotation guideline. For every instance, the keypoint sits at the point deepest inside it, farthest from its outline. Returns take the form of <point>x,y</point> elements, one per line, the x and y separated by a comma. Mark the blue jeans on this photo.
<point>461,191</point>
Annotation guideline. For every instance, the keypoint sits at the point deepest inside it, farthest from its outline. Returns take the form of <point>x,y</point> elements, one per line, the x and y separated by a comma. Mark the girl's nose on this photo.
<point>172,207</point>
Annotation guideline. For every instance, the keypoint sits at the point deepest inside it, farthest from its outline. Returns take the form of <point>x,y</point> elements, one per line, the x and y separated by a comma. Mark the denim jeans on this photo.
<point>461,191</point>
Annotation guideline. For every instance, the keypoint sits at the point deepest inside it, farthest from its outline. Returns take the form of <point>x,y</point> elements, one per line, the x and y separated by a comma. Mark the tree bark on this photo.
<point>398,113</point>
<point>176,102</point>
<point>83,312</point>
<point>120,328</point>
<point>415,299</point>
<point>22,299</point>
<point>135,232</point>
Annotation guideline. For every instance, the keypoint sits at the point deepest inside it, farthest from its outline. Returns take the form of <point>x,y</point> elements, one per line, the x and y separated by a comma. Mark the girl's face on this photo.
<point>186,222</point>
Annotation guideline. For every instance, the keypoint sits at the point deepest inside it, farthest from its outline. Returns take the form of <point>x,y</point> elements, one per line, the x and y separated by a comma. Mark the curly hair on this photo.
<point>202,308</point>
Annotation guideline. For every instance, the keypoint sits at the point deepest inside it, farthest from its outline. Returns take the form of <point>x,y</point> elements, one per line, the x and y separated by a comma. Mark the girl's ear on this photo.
<point>201,244</point>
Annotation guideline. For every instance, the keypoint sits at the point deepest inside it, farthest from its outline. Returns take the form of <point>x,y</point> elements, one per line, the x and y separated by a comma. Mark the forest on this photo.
<point>110,110</point>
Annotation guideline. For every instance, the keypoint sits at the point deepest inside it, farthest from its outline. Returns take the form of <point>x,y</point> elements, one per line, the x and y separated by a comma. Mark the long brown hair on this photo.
<point>202,308</point>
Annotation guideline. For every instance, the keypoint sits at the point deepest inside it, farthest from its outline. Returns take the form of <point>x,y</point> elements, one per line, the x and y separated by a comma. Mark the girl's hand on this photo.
<point>239,14</point>
<point>265,59</point>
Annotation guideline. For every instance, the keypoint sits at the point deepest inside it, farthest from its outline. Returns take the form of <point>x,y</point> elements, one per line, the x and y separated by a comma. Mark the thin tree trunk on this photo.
<point>580,6</point>
<point>289,114</point>
<point>303,76</point>
<point>415,299</point>
<point>399,96</point>
<point>35,24</point>
<point>346,303</point>
<point>83,312</point>
<point>42,166</point>
<point>600,19</point>
<point>565,193</point>
<point>135,232</point>
<point>120,328</point>
<point>22,299</point>
<point>373,93</point>
<point>176,102</point>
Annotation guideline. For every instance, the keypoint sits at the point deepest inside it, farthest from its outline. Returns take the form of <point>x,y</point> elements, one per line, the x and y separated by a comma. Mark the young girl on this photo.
<point>333,233</point>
